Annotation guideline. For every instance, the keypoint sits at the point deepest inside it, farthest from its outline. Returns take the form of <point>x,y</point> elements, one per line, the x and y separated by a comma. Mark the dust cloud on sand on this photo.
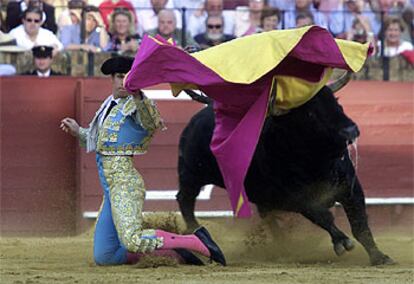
<point>295,252</point>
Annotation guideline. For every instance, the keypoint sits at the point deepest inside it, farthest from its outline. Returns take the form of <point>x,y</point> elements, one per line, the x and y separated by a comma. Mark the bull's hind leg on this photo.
<point>186,198</point>
<point>324,218</point>
<point>354,206</point>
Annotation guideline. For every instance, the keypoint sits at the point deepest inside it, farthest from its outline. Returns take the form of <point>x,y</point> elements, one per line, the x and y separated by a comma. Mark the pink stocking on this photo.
<point>133,258</point>
<point>190,242</point>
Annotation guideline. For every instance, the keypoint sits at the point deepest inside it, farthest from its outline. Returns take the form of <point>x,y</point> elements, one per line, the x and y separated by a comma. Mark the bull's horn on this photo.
<point>198,98</point>
<point>341,82</point>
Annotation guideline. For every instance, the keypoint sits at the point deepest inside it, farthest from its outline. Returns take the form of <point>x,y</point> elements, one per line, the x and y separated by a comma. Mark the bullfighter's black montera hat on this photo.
<point>119,64</point>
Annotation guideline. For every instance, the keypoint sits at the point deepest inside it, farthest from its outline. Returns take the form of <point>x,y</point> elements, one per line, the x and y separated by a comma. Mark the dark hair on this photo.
<point>304,15</point>
<point>269,12</point>
<point>393,20</point>
<point>33,9</point>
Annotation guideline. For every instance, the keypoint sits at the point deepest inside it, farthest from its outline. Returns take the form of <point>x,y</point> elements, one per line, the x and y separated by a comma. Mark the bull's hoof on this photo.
<point>339,249</point>
<point>342,246</point>
<point>348,244</point>
<point>381,259</point>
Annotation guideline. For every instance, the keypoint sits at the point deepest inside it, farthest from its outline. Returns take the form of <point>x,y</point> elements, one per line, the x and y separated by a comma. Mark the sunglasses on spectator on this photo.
<point>30,20</point>
<point>214,26</point>
<point>121,10</point>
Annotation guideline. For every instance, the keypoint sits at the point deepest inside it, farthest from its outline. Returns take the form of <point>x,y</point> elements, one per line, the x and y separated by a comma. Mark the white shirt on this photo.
<point>46,74</point>
<point>391,51</point>
<point>44,37</point>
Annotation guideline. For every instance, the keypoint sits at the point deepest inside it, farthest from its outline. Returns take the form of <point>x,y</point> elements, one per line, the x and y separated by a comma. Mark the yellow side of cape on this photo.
<point>246,59</point>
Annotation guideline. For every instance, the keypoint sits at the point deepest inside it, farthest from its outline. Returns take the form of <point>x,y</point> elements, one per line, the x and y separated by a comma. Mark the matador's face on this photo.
<point>118,89</point>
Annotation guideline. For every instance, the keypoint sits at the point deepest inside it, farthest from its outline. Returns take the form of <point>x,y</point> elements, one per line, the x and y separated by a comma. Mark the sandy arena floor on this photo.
<point>303,255</point>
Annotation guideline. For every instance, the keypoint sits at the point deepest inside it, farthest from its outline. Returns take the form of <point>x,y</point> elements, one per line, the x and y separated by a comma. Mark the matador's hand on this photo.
<point>69,125</point>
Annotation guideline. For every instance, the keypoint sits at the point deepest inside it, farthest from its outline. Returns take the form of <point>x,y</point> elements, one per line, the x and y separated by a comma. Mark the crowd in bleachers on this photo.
<point>119,25</point>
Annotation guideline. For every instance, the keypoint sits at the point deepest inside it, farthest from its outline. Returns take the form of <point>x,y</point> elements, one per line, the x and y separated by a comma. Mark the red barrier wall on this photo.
<point>47,181</point>
<point>384,112</point>
<point>37,159</point>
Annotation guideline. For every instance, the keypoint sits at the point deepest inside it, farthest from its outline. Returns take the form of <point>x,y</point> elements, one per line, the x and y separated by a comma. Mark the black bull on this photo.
<point>301,164</point>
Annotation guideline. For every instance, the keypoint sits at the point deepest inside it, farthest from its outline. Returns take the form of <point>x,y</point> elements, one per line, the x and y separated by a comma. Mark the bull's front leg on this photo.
<point>186,198</point>
<point>354,206</point>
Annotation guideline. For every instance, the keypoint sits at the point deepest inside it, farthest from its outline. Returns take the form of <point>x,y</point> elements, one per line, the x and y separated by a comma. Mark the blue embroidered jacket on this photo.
<point>127,130</point>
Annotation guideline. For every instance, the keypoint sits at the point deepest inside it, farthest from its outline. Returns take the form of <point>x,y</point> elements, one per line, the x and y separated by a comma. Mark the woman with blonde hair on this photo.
<point>95,38</point>
<point>123,38</point>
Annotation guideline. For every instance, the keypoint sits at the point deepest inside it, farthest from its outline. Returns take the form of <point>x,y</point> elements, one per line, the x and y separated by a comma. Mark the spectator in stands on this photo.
<point>108,6</point>
<point>167,28</point>
<point>390,7</point>
<point>248,18</point>
<point>122,32</point>
<point>214,34</point>
<point>396,8</point>
<point>96,38</point>
<point>304,19</point>
<point>348,12</point>
<point>15,11</point>
<point>30,33</point>
<point>304,7</point>
<point>393,44</point>
<point>42,61</point>
<point>148,18</point>
<point>269,20</point>
<point>359,32</point>
<point>197,21</point>
<point>333,12</point>
<point>66,17</point>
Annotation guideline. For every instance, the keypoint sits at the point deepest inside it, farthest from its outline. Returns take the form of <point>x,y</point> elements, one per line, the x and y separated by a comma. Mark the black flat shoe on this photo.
<point>188,257</point>
<point>215,252</point>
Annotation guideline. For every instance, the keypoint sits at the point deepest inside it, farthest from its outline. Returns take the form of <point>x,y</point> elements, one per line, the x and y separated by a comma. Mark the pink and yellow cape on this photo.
<point>240,75</point>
